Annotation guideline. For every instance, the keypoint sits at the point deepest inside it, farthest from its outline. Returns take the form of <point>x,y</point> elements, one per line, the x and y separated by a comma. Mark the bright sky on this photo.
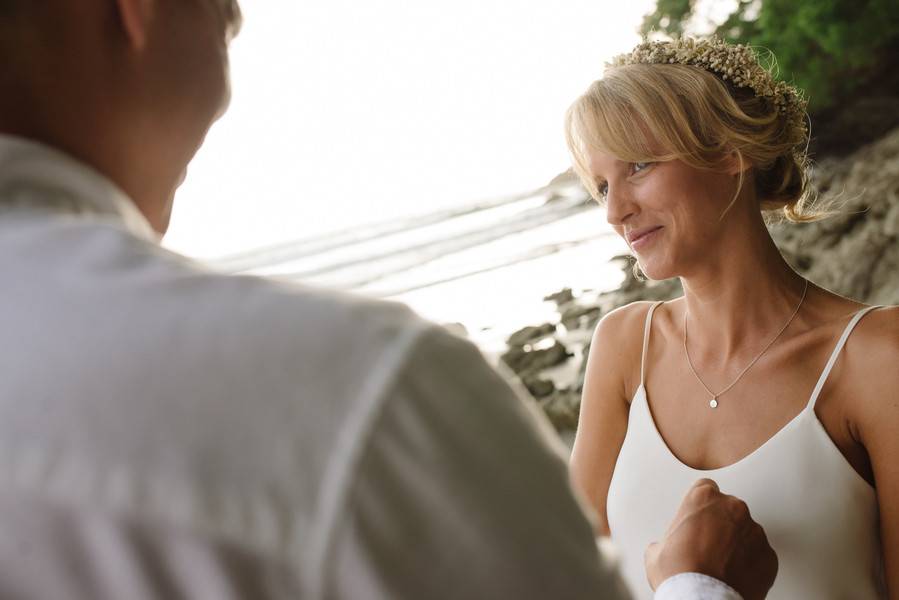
<point>347,112</point>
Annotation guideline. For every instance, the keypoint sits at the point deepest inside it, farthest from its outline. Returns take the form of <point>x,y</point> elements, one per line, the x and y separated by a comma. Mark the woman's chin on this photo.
<point>655,271</point>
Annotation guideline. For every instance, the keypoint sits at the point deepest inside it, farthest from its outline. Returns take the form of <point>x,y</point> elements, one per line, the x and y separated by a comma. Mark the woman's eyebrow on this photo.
<point>617,166</point>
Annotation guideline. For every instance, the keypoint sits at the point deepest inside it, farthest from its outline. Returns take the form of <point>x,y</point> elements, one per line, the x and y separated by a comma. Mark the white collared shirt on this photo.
<point>168,432</point>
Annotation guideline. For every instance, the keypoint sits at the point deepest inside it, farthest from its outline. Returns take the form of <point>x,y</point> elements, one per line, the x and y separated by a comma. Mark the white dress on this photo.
<point>820,516</point>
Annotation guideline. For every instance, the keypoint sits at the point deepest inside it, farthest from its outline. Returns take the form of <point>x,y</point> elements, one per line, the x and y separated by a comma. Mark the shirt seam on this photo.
<point>353,438</point>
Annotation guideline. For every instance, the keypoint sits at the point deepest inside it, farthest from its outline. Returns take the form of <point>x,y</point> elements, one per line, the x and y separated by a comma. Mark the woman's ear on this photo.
<point>135,17</point>
<point>735,163</point>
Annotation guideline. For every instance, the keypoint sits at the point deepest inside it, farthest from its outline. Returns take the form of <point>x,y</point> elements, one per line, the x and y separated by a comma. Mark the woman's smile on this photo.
<point>641,238</point>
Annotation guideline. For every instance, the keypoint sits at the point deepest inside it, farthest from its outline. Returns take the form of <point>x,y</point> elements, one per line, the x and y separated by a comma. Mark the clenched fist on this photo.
<point>714,534</point>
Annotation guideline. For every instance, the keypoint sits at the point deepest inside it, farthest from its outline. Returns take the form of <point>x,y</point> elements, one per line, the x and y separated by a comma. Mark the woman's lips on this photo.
<point>645,238</point>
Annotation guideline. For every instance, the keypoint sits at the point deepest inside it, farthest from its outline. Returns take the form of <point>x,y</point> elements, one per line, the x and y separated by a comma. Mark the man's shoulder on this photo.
<point>205,380</point>
<point>278,314</point>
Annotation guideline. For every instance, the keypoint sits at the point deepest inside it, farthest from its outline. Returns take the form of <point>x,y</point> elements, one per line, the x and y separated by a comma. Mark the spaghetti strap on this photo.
<point>646,328</point>
<point>836,353</point>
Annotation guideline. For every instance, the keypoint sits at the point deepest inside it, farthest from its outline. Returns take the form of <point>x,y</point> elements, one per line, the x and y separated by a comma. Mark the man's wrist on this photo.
<point>695,586</point>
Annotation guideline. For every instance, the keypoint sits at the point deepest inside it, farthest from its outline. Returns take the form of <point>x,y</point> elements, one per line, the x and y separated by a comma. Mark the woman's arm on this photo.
<point>613,373</point>
<point>878,427</point>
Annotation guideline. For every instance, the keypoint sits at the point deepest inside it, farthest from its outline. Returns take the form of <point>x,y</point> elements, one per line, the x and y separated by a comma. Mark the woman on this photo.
<point>752,377</point>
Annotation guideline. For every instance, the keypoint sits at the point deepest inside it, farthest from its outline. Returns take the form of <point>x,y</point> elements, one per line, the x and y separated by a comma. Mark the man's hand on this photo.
<point>713,534</point>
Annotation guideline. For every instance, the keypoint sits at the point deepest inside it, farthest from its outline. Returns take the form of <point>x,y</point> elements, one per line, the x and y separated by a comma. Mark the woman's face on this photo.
<point>667,212</point>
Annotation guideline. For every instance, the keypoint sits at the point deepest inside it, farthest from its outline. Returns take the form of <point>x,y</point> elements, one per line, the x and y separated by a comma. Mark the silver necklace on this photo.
<point>714,401</point>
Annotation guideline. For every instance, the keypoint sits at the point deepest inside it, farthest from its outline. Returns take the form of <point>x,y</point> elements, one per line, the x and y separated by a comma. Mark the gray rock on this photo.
<point>457,329</point>
<point>891,221</point>
<point>582,371</point>
<point>522,360</point>
<point>562,408</point>
<point>530,334</point>
<point>854,252</point>
<point>539,388</point>
<point>561,298</point>
<point>577,316</point>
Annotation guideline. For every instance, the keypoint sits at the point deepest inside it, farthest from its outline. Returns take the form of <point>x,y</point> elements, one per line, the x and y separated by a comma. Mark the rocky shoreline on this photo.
<point>854,253</point>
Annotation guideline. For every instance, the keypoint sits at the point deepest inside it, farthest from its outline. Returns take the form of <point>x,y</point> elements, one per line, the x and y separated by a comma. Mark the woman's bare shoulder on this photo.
<point>627,323</point>
<point>883,322</point>
<point>874,380</point>
<point>617,346</point>
<point>625,320</point>
<point>869,380</point>
<point>874,342</point>
<point>874,350</point>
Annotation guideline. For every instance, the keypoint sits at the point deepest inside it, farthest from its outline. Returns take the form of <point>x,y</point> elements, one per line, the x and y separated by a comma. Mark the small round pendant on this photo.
<point>713,403</point>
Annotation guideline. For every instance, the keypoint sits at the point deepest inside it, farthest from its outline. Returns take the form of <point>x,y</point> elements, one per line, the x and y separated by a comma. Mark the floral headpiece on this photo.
<point>737,64</point>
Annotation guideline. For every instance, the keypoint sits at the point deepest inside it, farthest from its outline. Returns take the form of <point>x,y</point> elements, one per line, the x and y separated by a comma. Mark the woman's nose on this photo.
<point>619,207</point>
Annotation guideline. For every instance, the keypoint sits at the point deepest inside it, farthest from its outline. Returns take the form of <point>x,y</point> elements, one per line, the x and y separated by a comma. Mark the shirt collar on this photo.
<point>36,175</point>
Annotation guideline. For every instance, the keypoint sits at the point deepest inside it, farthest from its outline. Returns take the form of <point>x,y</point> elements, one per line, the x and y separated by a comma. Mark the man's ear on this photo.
<point>135,17</point>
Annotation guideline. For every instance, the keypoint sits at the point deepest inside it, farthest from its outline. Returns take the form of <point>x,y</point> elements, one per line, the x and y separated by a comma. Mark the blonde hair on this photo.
<point>660,112</point>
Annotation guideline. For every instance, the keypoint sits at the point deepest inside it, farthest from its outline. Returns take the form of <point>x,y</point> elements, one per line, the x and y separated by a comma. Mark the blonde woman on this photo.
<point>785,394</point>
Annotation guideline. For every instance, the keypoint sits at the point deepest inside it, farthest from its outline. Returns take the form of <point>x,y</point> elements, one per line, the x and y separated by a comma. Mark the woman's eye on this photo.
<point>603,189</point>
<point>639,166</point>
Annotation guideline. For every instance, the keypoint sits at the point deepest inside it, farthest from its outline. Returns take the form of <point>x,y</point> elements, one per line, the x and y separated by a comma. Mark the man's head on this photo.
<point>128,86</point>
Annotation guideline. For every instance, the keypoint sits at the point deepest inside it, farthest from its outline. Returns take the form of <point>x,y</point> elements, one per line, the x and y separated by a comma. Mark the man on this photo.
<point>166,432</point>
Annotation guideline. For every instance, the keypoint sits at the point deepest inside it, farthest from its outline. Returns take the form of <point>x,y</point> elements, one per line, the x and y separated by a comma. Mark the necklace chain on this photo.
<point>714,401</point>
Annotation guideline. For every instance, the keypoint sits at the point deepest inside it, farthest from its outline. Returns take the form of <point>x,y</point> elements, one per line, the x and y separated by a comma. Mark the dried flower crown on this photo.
<point>735,63</point>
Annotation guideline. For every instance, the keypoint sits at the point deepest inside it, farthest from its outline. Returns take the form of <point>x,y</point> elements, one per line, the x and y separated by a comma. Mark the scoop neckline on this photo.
<point>641,391</point>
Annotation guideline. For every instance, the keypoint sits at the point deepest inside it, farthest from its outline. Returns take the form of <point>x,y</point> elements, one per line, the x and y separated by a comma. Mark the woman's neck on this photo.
<point>738,302</point>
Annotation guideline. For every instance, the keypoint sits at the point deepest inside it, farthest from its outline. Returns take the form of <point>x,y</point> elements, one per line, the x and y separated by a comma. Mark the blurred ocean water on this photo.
<point>487,265</point>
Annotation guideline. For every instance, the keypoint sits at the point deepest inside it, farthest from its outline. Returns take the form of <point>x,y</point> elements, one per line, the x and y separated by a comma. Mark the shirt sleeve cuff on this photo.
<point>695,586</point>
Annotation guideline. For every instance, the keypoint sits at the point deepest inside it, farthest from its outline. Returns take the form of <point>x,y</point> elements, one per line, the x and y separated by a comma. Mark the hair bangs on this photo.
<point>603,120</point>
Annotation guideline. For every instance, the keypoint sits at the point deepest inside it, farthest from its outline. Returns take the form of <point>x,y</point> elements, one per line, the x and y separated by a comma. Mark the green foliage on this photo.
<point>670,16</point>
<point>825,47</point>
